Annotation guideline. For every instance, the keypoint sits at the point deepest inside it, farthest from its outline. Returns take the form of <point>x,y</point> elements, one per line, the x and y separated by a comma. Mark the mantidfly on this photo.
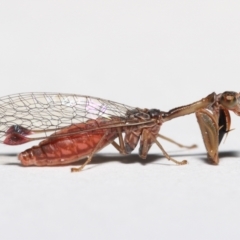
<point>75,126</point>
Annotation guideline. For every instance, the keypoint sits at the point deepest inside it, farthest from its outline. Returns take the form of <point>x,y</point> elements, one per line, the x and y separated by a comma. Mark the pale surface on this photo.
<point>158,54</point>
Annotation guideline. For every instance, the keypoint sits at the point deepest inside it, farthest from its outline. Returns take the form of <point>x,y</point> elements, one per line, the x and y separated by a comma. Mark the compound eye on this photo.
<point>228,99</point>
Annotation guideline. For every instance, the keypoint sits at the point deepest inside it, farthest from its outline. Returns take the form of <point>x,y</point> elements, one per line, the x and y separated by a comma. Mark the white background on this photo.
<point>154,54</point>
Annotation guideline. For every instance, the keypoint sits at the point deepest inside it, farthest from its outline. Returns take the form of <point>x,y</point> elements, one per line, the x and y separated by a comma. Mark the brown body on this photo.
<point>76,126</point>
<point>85,139</point>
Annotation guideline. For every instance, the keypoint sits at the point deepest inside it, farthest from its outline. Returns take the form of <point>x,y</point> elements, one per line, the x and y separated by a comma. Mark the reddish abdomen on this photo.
<point>69,148</point>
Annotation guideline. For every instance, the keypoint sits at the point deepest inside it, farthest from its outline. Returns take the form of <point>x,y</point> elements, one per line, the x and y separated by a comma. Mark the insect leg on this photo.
<point>90,156</point>
<point>210,133</point>
<point>167,156</point>
<point>147,139</point>
<point>176,143</point>
<point>224,124</point>
<point>120,147</point>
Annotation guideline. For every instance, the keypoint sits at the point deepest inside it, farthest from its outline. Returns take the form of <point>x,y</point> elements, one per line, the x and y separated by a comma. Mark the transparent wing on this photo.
<point>49,112</point>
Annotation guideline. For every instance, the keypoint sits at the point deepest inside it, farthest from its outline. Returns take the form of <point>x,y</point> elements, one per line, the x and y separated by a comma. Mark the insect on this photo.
<point>73,127</point>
